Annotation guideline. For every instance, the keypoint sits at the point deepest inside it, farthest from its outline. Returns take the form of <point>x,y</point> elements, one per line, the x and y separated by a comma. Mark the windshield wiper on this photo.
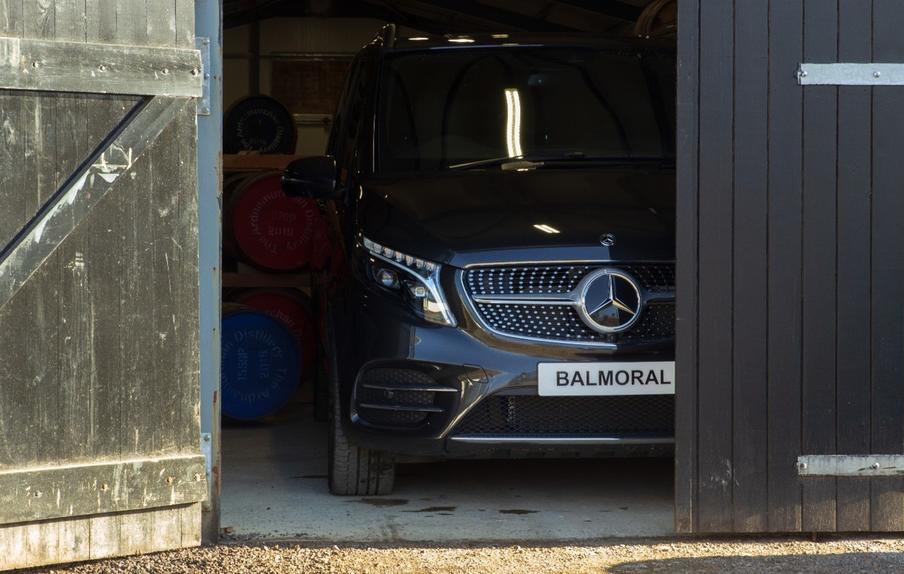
<point>520,159</point>
<point>535,161</point>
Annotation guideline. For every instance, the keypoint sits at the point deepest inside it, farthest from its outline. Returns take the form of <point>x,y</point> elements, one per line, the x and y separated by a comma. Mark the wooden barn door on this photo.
<point>791,266</point>
<point>99,415</point>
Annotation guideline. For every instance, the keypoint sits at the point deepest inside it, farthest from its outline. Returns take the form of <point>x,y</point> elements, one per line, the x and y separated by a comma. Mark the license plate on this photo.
<point>606,379</point>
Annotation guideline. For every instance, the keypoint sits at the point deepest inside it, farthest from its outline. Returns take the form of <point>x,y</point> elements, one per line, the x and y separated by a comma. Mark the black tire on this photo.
<point>353,471</point>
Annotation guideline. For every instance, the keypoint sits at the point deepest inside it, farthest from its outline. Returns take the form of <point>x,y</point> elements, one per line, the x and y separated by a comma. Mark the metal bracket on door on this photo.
<point>203,46</point>
<point>850,465</point>
<point>850,74</point>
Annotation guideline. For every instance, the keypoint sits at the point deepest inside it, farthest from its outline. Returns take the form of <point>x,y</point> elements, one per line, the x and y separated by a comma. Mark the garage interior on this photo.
<point>273,475</point>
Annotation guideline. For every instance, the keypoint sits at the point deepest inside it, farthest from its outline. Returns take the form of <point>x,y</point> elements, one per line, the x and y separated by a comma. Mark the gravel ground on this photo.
<point>699,556</point>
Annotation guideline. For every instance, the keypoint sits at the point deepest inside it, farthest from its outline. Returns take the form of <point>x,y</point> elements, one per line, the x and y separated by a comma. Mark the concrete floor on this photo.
<point>274,485</point>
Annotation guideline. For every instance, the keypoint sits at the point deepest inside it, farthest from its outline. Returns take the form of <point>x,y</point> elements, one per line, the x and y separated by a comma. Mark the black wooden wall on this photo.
<point>790,266</point>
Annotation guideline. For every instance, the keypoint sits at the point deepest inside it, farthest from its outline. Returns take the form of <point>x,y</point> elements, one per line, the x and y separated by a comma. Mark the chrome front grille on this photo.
<point>517,301</point>
<point>559,279</point>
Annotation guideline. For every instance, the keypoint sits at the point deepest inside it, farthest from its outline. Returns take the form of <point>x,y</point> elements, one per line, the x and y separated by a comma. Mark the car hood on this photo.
<point>492,216</point>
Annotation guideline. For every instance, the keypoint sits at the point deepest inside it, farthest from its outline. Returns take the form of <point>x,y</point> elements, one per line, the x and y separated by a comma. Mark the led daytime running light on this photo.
<point>409,261</point>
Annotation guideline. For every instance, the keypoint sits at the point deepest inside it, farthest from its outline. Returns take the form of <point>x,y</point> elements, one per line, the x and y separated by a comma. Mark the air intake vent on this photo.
<point>524,416</point>
<point>406,398</point>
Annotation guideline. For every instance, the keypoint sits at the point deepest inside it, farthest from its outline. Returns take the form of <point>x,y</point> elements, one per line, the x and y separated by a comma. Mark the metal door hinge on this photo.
<point>850,74</point>
<point>850,465</point>
<point>203,45</point>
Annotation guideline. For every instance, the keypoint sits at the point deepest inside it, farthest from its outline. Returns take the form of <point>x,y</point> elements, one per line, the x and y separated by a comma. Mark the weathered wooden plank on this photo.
<point>784,261</point>
<point>11,18</point>
<point>161,22</point>
<point>686,269</point>
<point>853,245</point>
<point>887,430</point>
<point>715,267</point>
<point>38,18</point>
<point>131,22</point>
<point>42,493</point>
<point>185,23</point>
<point>750,211</point>
<point>12,152</point>
<point>104,258</point>
<point>101,21</point>
<point>69,19</point>
<point>18,406</point>
<point>74,382</point>
<point>818,416</point>
<point>140,379</point>
<point>99,68</point>
<point>184,253</point>
<point>94,538</point>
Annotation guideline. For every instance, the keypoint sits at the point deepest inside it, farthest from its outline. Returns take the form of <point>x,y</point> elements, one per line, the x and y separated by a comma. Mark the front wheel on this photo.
<point>353,471</point>
<point>357,471</point>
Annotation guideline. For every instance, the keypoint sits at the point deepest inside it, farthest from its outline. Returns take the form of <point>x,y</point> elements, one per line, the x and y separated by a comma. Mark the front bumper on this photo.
<point>453,376</point>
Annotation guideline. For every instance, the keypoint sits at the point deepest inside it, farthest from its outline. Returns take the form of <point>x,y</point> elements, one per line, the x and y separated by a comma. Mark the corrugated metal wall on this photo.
<point>790,266</point>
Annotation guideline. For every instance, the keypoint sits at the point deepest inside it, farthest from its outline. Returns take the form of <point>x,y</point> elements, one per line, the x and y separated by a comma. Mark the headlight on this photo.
<point>416,280</point>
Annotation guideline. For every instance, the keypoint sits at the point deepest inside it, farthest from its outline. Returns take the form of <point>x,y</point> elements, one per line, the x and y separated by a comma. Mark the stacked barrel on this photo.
<point>270,231</point>
<point>269,335</point>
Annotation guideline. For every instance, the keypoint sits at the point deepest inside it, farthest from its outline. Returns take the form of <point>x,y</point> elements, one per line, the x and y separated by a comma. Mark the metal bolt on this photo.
<point>195,71</point>
<point>206,76</point>
<point>874,466</point>
<point>803,73</point>
<point>801,466</point>
<point>165,71</point>
<point>105,487</point>
<point>35,64</point>
<point>877,74</point>
<point>170,480</point>
<point>206,438</point>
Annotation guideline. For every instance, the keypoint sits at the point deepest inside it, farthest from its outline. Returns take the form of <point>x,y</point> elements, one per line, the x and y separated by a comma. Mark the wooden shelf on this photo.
<point>256,161</point>
<point>300,281</point>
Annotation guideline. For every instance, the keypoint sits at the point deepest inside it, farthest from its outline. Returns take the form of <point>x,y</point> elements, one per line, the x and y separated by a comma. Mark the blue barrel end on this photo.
<point>260,366</point>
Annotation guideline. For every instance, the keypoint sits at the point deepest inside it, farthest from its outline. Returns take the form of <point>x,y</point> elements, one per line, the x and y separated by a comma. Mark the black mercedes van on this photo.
<point>507,206</point>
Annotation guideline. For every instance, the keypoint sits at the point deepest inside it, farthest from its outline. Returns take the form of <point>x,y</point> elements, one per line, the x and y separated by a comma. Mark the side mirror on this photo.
<point>313,177</point>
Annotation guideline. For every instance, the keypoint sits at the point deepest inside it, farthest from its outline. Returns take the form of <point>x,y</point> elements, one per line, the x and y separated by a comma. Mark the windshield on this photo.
<point>440,109</point>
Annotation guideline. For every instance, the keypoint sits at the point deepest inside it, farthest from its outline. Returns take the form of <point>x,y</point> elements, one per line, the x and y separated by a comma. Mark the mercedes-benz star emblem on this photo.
<point>609,301</point>
<point>607,239</point>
